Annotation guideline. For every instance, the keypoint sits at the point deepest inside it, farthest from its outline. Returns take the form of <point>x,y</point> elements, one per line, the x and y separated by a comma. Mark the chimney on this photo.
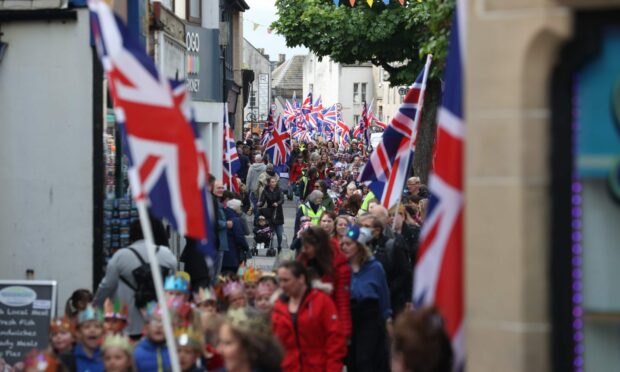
<point>281,58</point>
<point>261,50</point>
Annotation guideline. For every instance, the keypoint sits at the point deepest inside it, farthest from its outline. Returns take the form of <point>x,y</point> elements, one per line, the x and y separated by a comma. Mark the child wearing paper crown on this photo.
<point>117,354</point>
<point>151,353</point>
<point>189,347</point>
<point>115,316</point>
<point>177,285</point>
<point>86,356</point>
<point>62,336</point>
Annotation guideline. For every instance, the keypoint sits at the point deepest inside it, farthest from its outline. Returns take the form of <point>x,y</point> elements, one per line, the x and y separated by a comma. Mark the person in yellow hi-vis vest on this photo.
<point>311,208</point>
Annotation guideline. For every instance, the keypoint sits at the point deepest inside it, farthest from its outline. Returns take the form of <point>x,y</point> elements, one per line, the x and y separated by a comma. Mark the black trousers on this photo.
<point>368,351</point>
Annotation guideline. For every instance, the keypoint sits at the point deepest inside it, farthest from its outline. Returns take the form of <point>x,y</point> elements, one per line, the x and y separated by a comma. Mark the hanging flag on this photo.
<point>278,145</point>
<point>439,264</point>
<point>386,169</point>
<point>255,26</point>
<point>370,2</point>
<point>167,166</point>
<point>352,3</point>
<point>231,162</point>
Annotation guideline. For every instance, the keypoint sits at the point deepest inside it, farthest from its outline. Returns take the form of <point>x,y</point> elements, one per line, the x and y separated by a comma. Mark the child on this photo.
<point>262,234</point>
<point>250,276</point>
<point>117,354</point>
<point>151,353</point>
<point>189,348</point>
<point>115,316</point>
<point>206,300</point>
<point>62,336</point>
<point>86,356</point>
<point>235,295</point>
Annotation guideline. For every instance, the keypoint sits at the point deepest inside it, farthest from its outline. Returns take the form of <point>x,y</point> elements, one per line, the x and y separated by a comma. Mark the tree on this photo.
<point>392,36</point>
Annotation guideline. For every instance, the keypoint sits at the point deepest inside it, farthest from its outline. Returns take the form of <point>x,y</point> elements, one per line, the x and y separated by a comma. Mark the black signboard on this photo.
<point>26,309</point>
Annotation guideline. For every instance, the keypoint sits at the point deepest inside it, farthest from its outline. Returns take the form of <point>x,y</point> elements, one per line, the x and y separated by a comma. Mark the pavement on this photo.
<point>263,262</point>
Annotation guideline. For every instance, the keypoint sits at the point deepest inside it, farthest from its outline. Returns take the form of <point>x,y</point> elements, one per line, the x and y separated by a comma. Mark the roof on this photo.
<point>290,74</point>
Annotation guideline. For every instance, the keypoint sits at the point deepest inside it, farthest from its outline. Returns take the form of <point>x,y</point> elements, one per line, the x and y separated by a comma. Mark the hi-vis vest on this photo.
<point>314,216</point>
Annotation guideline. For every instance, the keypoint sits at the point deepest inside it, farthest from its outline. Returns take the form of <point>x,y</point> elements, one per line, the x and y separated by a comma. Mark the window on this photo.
<point>380,112</point>
<point>194,11</point>
<point>252,97</point>
<point>356,120</point>
<point>363,92</point>
<point>311,87</point>
<point>356,94</point>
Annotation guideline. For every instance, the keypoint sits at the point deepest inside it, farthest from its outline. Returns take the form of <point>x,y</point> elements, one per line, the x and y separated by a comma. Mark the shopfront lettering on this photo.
<point>192,42</point>
<point>40,313</point>
<point>17,312</point>
<point>193,85</point>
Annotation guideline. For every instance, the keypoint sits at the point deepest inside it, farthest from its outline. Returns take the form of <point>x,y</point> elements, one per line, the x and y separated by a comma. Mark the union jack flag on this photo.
<point>231,162</point>
<point>278,146</point>
<point>439,264</point>
<point>268,127</point>
<point>380,124</point>
<point>387,166</point>
<point>342,132</point>
<point>168,166</point>
<point>330,120</point>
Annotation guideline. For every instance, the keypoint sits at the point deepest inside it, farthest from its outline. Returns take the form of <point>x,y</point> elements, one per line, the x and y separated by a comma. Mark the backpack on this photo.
<point>144,291</point>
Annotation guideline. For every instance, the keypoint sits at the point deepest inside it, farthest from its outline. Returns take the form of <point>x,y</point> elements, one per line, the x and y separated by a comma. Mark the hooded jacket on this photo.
<point>313,342</point>
<point>149,356</point>
<point>255,170</point>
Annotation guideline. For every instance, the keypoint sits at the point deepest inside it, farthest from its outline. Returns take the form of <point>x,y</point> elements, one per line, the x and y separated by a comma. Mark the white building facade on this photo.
<point>347,85</point>
<point>259,96</point>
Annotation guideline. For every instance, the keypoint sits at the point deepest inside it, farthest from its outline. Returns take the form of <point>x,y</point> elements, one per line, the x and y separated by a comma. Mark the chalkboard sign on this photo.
<point>26,309</point>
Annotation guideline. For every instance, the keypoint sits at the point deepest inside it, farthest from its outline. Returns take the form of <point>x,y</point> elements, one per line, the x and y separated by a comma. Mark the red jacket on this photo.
<point>341,280</point>
<point>314,343</point>
<point>295,172</point>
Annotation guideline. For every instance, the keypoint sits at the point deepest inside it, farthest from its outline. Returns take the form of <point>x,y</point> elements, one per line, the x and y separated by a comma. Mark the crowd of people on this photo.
<point>343,301</point>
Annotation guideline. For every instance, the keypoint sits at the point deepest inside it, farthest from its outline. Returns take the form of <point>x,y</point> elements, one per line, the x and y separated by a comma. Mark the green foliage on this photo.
<point>395,37</point>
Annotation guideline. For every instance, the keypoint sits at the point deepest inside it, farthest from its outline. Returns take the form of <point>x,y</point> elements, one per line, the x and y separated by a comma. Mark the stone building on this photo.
<point>542,244</point>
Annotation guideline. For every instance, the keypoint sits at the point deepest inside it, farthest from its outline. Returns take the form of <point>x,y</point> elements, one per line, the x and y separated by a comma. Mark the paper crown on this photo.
<point>61,324</point>
<point>251,275</point>
<point>231,288</point>
<point>177,283</point>
<point>187,336</point>
<point>245,321</point>
<point>119,341</point>
<point>41,361</point>
<point>360,234</point>
<point>115,310</point>
<point>264,289</point>
<point>204,295</point>
<point>90,313</point>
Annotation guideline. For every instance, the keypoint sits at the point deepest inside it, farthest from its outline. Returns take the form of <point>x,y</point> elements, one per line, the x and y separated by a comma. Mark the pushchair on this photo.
<point>263,234</point>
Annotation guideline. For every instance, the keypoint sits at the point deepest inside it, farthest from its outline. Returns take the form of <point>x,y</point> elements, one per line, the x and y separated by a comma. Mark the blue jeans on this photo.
<point>279,229</point>
<point>219,258</point>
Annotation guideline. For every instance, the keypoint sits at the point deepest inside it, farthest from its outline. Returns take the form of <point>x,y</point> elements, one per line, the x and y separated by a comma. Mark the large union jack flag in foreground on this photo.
<point>439,264</point>
<point>386,169</point>
<point>168,167</point>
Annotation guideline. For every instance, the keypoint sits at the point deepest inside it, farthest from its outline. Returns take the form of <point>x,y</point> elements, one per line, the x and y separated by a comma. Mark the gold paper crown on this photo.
<point>188,337</point>
<point>115,310</point>
<point>242,320</point>
<point>251,275</point>
<point>61,324</point>
<point>119,341</point>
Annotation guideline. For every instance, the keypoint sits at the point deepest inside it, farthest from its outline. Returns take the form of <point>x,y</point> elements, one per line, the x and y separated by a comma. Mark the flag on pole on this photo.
<point>168,168</point>
<point>278,146</point>
<point>439,264</point>
<point>231,164</point>
<point>342,132</point>
<point>387,166</point>
<point>268,127</point>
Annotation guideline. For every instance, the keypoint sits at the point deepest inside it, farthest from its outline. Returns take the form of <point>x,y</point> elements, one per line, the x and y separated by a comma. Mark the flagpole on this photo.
<point>147,231</point>
<point>226,125</point>
<point>416,120</point>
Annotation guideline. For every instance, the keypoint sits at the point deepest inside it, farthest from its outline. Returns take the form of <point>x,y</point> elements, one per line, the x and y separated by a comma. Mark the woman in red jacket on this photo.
<point>306,323</point>
<point>327,265</point>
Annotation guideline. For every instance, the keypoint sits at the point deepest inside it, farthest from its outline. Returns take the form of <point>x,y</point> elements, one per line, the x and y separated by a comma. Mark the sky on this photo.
<point>263,12</point>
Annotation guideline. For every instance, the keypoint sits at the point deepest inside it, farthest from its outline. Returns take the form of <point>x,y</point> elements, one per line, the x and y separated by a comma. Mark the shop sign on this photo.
<point>26,310</point>
<point>202,61</point>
